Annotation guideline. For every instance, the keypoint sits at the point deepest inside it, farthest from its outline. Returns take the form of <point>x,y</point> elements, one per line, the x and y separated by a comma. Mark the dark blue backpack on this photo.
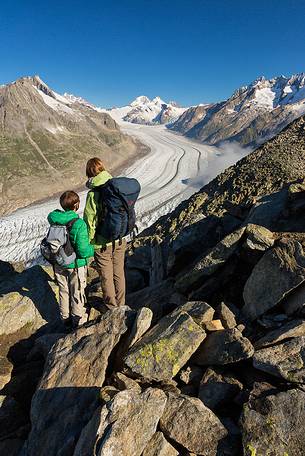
<point>117,201</point>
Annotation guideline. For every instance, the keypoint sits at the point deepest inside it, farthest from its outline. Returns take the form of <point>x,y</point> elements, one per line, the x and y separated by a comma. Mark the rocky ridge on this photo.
<point>251,116</point>
<point>207,356</point>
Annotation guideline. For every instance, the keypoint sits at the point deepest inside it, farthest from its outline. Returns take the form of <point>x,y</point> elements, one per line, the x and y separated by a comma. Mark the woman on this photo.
<point>109,256</point>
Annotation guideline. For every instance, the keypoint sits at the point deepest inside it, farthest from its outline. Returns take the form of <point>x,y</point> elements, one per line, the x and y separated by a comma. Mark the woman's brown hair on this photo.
<point>94,167</point>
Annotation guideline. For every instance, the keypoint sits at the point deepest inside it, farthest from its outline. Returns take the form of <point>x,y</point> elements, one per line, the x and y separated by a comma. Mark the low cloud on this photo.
<point>218,159</point>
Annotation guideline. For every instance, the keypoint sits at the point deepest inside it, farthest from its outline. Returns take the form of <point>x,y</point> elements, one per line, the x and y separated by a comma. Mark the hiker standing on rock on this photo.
<point>109,214</point>
<point>67,247</point>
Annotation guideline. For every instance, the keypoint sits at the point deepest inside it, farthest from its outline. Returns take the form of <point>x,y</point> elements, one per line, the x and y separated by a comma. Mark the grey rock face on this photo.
<point>200,311</point>
<point>211,261</point>
<point>274,425</point>
<point>74,372</point>
<point>226,316</point>
<point>258,237</point>
<point>279,271</point>
<point>141,325</point>
<point>167,347</point>
<point>224,347</point>
<point>285,360</point>
<point>159,446</point>
<point>291,329</point>
<point>218,389</point>
<point>123,426</point>
<point>190,423</point>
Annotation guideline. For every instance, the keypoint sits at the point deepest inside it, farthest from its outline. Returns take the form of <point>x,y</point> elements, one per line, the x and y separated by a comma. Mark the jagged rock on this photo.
<point>43,345</point>
<point>274,425</point>
<point>192,374</point>
<point>141,325</point>
<point>13,422</point>
<point>167,347</point>
<point>218,389</point>
<point>27,301</point>
<point>74,372</point>
<point>200,311</point>
<point>258,237</point>
<point>123,382</point>
<point>285,360</point>
<point>226,316</point>
<point>214,325</point>
<point>295,301</point>
<point>279,271</point>
<point>294,328</point>
<point>123,426</point>
<point>156,298</point>
<point>272,321</point>
<point>187,421</point>
<point>107,393</point>
<point>210,262</point>
<point>159,446</point>
<point>224,347</point>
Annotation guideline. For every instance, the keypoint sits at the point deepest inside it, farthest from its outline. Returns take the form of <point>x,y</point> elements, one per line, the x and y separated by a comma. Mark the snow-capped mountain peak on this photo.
<point>141,100</point>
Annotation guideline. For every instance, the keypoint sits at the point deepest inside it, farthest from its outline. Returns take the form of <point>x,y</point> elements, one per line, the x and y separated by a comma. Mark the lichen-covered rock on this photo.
<point>124,425</point>
<point>211,261</point>
<point>274,425</point>
<point>218,389</point>
<point>167,347</point>
<point>159,446</point>
<point>294,328</point>
<point>27,301</point>
<point>187,421</point>
<point>285,360</point>
<point>68,392</point>
<point>224,347</point>
<point>279,271</point>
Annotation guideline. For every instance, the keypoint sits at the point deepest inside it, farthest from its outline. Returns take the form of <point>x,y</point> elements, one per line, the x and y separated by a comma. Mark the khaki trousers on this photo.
<point>110,266</point>
<point>72,299</point>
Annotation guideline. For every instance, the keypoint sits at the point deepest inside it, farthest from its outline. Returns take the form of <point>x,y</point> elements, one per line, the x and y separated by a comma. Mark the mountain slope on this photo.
<point>147,112</point>
<point>252,115</point>
<point>46,138</point>
<point>268,169</point>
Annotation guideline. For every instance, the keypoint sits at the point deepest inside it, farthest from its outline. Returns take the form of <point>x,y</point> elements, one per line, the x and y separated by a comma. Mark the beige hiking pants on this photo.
<point>72,299</point>
<point>110,266</point>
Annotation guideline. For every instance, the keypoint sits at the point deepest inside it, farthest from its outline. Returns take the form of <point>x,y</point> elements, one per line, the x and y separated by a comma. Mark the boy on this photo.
<point>71,279</point>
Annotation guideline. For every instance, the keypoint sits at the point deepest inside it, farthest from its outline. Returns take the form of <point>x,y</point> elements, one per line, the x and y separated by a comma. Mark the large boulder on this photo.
<point>294,328</point>
<point>258,238</point>
<point>124,425</point>
<point>68,392</point>
<point>218,388</point>
<point>285,360</point>
<point>209,263</point>
<point>166,348</point>
<point>187,421</point>
<point>274,424</point>
<point>279,271</point>
<point>27,301</point>
<point>224,347</point>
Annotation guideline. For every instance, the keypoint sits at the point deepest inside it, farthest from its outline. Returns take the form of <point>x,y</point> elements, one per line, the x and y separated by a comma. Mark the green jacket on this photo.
<point>78,236</point>
<point>92,209</point>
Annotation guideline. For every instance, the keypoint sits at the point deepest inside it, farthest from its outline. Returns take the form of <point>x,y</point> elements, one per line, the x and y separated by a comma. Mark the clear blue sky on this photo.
<point>111,51</point>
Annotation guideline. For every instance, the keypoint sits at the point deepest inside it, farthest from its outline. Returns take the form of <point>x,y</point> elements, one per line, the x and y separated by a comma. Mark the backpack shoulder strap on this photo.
<point>71,223</point>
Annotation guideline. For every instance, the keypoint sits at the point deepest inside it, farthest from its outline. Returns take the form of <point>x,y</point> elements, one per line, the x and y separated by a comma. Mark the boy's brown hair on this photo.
<point>94,167</point>
<point>68,200</point>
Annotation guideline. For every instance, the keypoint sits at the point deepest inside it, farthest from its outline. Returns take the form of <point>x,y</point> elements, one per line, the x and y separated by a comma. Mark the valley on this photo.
<point>175,168</point>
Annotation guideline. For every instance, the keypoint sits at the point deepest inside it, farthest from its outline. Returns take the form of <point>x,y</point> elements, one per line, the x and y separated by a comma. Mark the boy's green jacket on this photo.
<point>78,236</point>
<point>92,209</point>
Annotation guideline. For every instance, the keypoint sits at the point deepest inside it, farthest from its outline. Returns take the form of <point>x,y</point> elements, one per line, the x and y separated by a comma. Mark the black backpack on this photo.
<point>56,247</point>
<point>117,202</point>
